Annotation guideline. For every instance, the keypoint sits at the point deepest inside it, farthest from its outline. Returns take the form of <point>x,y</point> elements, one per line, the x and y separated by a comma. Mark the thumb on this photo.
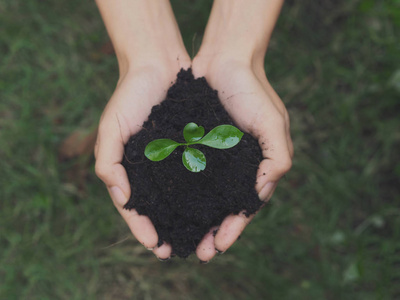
<point>109,152</point>
<point>276,161</point>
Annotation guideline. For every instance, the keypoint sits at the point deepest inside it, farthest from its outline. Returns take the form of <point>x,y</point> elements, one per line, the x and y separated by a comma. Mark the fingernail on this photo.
<point>164,259</point>
<point>117,195</point>
<point>219,251</point>
<point>264,194</point>
<point>151,248</point>
<point>204,262</point>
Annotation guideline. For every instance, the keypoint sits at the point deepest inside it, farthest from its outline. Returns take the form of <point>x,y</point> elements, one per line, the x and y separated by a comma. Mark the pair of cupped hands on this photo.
<point>247,96</point>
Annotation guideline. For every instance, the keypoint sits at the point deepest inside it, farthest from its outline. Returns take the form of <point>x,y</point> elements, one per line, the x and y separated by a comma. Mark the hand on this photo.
<point>130,105</point>
<point>150,53</point>
<point>256,108</point>
<point>144,30</point>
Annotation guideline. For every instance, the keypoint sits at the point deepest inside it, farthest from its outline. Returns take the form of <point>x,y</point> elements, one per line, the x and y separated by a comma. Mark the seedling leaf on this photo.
<point>222,137</point>
<point>192,132</point>
<point>159,149</point>
<point>194,160</point>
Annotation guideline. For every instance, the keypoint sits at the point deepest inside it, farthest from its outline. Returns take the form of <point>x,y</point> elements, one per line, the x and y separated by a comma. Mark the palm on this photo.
<point>242,96</point>
<point>123,117</point>
<point>132,101</point>
<point>256,109</point>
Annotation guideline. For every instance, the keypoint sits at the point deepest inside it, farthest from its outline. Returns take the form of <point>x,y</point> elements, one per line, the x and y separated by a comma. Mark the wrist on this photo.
<point>222,53</point>
<point>239,31</point>
<point>160,58</point>
<point>143,32</point>
<point>209,62</point>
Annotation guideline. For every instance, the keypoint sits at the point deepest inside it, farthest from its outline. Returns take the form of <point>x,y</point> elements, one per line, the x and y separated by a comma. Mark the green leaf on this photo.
<point>159,149</point>
<point>192,132</point>
<point>194,160</point>
<point>222,137</point>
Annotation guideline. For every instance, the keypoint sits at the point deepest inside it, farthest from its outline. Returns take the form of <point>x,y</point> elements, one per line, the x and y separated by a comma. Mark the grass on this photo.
<point>332,231</point>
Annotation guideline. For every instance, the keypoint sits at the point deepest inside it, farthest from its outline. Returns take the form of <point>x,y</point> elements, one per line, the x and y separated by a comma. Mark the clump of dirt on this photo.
<point>182,205</point>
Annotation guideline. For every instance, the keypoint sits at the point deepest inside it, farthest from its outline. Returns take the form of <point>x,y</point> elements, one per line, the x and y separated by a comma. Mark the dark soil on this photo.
<point>182,205</point>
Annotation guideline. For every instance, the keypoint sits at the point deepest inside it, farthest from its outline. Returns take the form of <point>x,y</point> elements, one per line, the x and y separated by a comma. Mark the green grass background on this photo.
<point>332,230</point>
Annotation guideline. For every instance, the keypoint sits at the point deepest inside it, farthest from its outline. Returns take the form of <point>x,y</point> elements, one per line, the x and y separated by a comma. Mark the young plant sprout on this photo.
<point>221,137</point>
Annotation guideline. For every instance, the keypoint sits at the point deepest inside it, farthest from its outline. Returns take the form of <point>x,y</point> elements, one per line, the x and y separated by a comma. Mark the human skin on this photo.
<point>231,58</point>
<point>150,53</point>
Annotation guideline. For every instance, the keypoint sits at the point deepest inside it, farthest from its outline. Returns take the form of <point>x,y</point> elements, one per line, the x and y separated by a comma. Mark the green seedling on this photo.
<point>221,137</point>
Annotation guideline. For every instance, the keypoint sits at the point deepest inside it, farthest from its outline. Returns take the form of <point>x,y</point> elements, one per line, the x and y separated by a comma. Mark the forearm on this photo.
<point>240,28</point>
<point>142,31</point>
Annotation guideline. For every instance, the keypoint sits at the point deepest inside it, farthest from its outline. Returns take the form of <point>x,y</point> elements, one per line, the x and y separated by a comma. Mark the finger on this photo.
<point>163,252</point>
<point>141,226</point>
<point>230,230</point>
<point>279,106</point>
<point>288,137</point>
<point>206,249</point>
<point>264,186</point>
<point>109,153</point>
<point>270,171</point>
<point>277,156</point>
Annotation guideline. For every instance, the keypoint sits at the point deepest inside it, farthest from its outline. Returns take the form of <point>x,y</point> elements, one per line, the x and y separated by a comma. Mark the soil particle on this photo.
<point>182,205</point>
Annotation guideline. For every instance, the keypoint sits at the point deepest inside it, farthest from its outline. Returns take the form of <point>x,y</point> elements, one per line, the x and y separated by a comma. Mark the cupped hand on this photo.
<point>130,105</point>
<point>256,108</point>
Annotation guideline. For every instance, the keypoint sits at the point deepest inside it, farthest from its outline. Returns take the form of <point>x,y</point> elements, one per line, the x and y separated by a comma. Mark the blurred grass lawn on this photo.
<point>332,231</point>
